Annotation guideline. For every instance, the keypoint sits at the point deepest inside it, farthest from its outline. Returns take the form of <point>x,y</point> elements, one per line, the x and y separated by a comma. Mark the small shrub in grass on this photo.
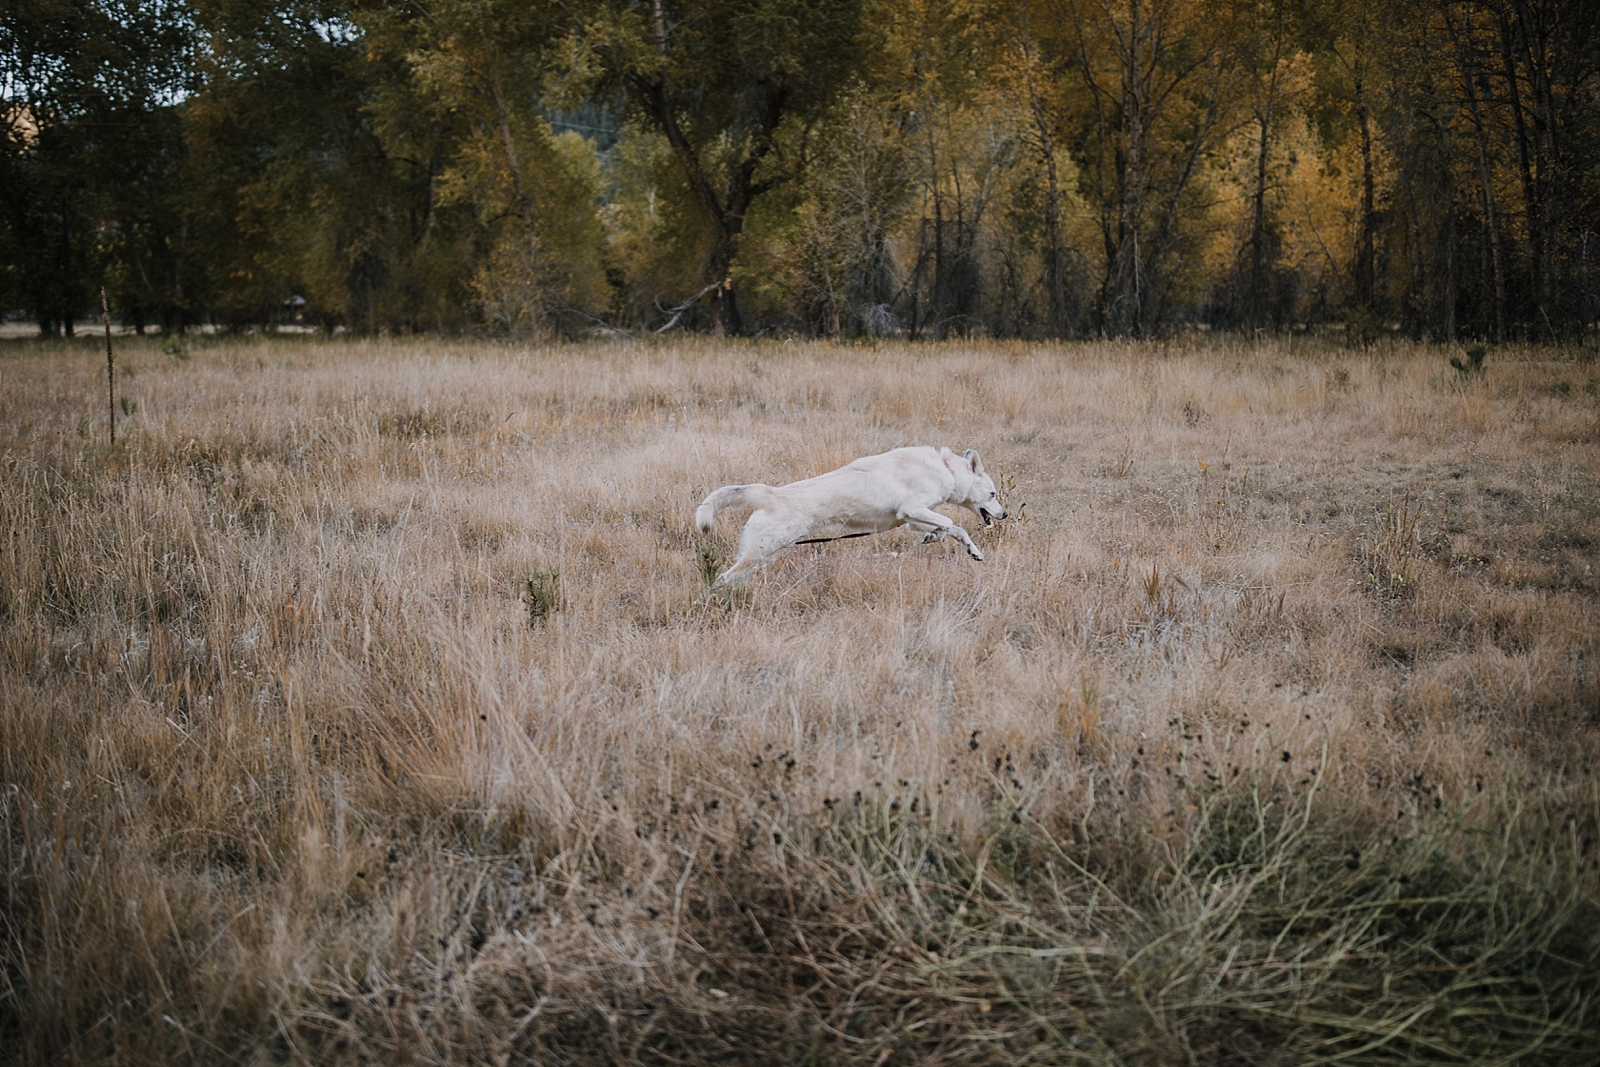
<point>1390,551</point>
<point>542,594</point>
<point>1363,327</point>
<point>708,560</point>
<point>1472,365</point>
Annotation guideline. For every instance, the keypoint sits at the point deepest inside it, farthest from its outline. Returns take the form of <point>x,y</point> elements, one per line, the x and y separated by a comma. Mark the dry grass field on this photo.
<point>368,704</point>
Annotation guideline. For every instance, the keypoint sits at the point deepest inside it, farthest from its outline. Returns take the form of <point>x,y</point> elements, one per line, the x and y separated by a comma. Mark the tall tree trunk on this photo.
<point>1586,303</point>
<point>960,283</point>
<point>1530,187</point>
<point>1534,39</point>
<point>1449,286</point>
<point>1057,265</point>
<point>1491,223</point>
<point>725,217</point>
<point>1265,112</point>
<point>1106,172</point>
<point>938,297</point>
<point>1107,176</point>
<point>179,260</point>
<point>1168,220</point>
<point>1255,298</point>
<point>724,227</point>
<point>1126,311</point>
<point>727,319</point>
<point>68,312</point>
<point>519,189</point>
<point>1366,245</point>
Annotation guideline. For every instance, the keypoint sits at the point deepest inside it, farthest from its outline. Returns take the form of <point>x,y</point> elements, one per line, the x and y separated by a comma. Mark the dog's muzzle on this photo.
<point>988,519</point>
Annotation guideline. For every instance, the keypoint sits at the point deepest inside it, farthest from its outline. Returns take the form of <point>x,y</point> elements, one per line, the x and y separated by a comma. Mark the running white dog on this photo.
<point>869,495</point>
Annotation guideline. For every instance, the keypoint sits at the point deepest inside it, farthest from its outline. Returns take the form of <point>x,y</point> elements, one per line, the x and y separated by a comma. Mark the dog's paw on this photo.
<point>929,539</point>
<point>972,550</point>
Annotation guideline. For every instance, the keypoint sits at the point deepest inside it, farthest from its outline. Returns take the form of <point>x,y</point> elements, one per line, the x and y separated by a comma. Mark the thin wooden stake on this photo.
<point>111,369</point>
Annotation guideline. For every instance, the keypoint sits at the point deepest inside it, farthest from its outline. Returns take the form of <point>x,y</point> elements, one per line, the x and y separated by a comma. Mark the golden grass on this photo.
<point>368,704</point>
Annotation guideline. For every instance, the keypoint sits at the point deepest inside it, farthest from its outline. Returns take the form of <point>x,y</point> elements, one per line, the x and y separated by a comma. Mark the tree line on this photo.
<point>920,168</point>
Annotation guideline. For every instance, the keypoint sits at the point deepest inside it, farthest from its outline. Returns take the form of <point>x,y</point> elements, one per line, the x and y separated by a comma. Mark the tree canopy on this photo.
<point>926,168</point>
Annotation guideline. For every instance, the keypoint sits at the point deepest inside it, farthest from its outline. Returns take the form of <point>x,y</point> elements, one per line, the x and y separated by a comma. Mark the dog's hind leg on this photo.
<point>922,518</point>
<point>764,536</point>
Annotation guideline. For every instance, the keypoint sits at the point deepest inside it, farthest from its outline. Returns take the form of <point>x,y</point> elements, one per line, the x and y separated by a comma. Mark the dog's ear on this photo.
<point>975,461</point>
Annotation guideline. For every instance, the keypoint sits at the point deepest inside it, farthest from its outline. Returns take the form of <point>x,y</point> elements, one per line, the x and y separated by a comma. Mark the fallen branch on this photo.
<point>677,312</point>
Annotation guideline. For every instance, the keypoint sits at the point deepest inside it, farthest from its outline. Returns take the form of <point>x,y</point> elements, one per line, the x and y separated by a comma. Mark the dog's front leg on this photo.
<point>918,518</point>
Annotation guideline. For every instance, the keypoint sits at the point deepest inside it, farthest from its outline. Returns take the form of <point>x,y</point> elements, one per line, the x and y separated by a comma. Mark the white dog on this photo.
<point>869,495</point>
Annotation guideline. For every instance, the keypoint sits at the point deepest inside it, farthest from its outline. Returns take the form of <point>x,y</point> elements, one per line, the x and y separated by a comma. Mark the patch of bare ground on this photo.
<point>368,704</point>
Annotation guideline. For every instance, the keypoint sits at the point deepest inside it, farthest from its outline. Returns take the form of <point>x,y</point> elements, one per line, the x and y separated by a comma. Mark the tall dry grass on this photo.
<point>368,704</point>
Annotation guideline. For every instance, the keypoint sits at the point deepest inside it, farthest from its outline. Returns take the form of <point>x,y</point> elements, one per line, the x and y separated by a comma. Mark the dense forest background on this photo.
<point>925,168</point>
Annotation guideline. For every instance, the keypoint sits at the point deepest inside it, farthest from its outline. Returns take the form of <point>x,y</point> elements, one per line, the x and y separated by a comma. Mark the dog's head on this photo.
<point>981,496</point>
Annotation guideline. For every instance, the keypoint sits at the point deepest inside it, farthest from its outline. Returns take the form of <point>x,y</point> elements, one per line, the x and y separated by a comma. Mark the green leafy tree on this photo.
<point>299,196</point>
<point>1155,91</point>
<point>463,104</point>
<point>91,154</point>
<point>720,80</point>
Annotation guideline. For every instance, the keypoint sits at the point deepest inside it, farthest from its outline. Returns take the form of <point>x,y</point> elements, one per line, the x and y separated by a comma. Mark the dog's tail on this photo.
<point>729,496</point>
